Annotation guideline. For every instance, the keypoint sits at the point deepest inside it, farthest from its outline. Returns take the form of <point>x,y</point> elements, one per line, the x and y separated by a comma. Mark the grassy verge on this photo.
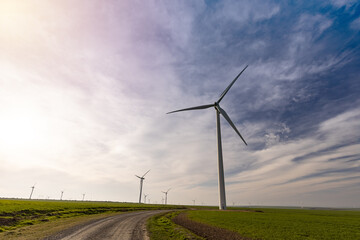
<point>285,223</point>
<point>161,227</point>
<point>15,214</point>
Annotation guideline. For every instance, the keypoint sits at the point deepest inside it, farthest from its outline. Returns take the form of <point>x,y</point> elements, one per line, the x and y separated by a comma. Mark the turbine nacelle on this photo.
<point>216,106</point>
<point>142,177</point>
<point>166,191</point>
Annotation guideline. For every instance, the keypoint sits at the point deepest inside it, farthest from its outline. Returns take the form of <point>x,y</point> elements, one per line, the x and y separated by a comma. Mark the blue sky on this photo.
<point>84,88</point>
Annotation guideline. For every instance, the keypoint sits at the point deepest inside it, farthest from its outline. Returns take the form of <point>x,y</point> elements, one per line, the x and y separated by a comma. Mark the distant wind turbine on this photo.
<point>141,183</point>
<point>145,195</point>
<point>166,193</point>
<point>219,110</point>
<point>83,196</point>
<point>32,190</point>
<point>62,192</point>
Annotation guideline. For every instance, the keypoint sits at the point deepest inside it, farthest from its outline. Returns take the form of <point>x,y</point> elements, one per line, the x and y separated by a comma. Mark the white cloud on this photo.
<point>244,11</point>
<point>306,31</point>
<point>341,3</point>
<point>355,24</point>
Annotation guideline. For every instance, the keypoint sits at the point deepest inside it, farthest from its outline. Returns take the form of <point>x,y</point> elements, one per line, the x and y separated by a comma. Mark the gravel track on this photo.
<point>126,226</point>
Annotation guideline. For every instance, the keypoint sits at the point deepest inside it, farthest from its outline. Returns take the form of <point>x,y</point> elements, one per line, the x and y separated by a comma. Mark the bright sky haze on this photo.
<point>85,86</point>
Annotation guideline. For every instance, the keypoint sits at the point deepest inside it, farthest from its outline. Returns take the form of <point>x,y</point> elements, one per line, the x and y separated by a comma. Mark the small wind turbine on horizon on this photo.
<point>141,183</point>
<point>219,110</point>
<point>145,195</point>
<point>62,193</point>
<point>166,193</point>
<point>32,190</point>
<point>83,196</point>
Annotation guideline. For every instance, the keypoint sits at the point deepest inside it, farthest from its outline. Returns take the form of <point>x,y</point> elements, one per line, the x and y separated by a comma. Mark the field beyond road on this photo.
<point>275,224</point>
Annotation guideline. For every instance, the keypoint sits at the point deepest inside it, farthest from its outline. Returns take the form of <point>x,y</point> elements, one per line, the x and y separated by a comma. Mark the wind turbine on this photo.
<point>83,196</point>
<point>166,193</point>
<point>145,195</point>
<point>32,190</point>
<point>141,183</point>
<point>62,193</point>
<point>219,110</point>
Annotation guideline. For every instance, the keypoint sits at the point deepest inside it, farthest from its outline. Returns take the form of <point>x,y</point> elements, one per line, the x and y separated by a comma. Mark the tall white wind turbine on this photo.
<point>141,183</point>
<point>166,193</point>
<point>219,110</point>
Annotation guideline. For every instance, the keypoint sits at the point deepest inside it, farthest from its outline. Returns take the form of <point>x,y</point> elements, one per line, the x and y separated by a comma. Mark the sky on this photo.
<point>85,87</point>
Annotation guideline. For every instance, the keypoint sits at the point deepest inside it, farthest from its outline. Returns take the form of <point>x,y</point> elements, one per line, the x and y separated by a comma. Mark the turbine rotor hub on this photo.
<point>216,106</point>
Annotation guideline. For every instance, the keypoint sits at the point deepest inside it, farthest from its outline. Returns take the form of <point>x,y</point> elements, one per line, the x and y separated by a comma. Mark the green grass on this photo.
<point>161,227</point>
<point>19,213</point>
<point>285,223</point>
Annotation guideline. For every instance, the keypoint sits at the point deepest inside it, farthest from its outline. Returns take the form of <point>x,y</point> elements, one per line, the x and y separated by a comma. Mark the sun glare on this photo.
<point>21,130</point>
<point>16,18</point>
<point>9,15</point>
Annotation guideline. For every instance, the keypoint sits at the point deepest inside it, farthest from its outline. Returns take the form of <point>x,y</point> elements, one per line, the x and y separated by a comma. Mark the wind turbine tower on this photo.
<point>141,183</point>
<point>62,193</point>
<point>166,193</point>
<point>219,110</point>
<point>32,190</point>
<point>83,196</point>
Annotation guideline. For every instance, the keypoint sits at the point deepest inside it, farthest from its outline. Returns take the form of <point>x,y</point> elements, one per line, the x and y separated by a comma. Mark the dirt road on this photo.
<point>124,226</point>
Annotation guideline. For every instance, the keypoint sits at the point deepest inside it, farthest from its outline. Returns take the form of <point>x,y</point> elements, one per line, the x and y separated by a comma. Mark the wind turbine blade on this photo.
<point>228,88</point>
<point>222,111</point>
<point>137,176</point>
<point>168,190</point>
<point>146,173</point>
<point>193,108</point>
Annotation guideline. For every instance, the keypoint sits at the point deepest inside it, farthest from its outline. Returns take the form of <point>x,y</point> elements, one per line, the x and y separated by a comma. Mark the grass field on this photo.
<point>162,228</point>
<point>17,216</point>
<point>285,223</point>
<point>19,213</point>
